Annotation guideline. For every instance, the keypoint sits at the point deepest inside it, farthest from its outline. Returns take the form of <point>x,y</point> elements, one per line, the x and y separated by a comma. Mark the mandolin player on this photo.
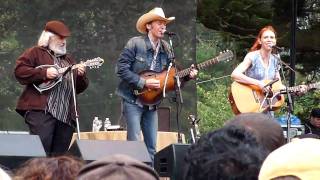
<point>49,114</point>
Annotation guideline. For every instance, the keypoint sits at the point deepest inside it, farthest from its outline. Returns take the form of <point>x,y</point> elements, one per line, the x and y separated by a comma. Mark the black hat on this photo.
<point>57,27</point>
<point>315,112</point>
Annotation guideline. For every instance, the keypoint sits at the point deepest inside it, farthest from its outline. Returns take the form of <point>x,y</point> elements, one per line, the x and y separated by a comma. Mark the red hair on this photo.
<point>256,44</point>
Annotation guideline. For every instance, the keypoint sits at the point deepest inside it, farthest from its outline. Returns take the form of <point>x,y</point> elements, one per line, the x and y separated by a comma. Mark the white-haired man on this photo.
<point>148,52</point>
<point>49,114</point>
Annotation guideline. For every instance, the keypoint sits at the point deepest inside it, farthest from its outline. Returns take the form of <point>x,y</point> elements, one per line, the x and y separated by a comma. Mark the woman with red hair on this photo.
<point>259,64</point>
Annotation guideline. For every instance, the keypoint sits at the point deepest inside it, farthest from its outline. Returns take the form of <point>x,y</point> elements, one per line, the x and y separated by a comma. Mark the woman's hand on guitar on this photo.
<point>81,69</point>
<point>265,88</point>
<point>152,83</point>
<point>52,73</point>
<point>193,73</point>
<point>302,90</point>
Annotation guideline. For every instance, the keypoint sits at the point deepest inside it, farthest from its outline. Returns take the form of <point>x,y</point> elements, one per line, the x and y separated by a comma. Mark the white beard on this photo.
<point>57,49</point>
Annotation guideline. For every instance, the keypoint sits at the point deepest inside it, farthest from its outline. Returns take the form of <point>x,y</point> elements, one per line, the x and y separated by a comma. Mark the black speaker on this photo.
<point>169,162</point>
<point>91,150</point>
<point>17,148</point>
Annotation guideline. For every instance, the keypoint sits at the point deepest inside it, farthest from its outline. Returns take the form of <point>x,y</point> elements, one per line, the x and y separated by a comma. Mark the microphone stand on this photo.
<point>75,104</point>
<point>177,85</point>
<point>289,106</point>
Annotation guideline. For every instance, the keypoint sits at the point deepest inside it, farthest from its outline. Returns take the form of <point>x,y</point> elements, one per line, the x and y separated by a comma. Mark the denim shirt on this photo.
<point>136,57</point>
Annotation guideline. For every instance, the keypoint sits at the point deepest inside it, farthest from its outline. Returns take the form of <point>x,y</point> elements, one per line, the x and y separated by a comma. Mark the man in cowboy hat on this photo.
<point>148,52</point>
<point>49,114</point>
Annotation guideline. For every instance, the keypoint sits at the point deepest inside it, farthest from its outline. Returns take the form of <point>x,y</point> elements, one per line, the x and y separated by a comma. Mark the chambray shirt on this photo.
<point>257,70</point>
<point>136,57</point>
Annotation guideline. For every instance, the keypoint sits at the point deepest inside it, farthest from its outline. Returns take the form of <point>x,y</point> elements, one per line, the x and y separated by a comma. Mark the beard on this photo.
<point>57,48</point>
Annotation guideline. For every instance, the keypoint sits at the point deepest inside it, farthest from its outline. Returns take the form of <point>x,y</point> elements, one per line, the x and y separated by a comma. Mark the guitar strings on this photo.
<point>212,79</point>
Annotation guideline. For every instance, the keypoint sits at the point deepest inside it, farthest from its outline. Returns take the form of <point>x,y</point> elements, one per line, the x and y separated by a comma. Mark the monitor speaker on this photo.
<point>169,162</point>
<point>91,150</point>
<point>17,148</point>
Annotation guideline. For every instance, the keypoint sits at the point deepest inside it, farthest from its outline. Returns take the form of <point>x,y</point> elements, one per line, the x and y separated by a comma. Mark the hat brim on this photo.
<point>147,18</point>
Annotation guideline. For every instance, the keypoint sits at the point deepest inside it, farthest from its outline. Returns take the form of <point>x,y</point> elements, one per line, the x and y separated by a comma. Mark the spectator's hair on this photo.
<point>286,178</point>
<point>60,167</point>
<point>315,112</point>
<point>264,127</point>
<point>228,153</point>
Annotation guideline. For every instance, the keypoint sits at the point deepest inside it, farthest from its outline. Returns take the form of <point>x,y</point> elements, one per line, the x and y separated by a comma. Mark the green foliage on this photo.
<point>213,106</point>
<point>212,87</point>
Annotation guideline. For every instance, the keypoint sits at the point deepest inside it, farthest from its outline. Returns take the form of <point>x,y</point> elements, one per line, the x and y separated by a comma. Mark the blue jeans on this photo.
<point>139,118</point>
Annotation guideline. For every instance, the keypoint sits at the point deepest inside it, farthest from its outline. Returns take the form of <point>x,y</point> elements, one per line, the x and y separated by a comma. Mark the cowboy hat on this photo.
<point>155,14</point>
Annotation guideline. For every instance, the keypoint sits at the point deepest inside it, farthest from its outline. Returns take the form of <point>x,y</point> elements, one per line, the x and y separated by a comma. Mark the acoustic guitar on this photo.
<point>149,96</point>
<point>246,98</point>
<point>50,83</point>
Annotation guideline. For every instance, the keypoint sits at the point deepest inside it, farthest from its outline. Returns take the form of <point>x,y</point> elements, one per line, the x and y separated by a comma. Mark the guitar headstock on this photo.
<point>225,55</point>
<point>314,85</point>
<point>94,63</point>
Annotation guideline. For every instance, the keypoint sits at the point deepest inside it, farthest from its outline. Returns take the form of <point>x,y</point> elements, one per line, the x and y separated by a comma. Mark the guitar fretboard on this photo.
<point>224,56</point>
<point>309,87</point>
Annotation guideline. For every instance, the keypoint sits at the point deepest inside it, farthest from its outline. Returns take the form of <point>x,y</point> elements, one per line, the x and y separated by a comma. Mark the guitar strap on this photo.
<point>55,60</point>
<point>167,48</point>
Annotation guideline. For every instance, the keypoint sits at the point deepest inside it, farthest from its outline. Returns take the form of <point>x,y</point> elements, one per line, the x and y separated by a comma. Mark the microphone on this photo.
<point>271,82</point>
<point>169,33</point>
<point>277,48</point>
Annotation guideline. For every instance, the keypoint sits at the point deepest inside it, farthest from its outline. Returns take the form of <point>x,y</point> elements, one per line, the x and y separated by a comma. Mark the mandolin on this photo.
<point>50,83</point>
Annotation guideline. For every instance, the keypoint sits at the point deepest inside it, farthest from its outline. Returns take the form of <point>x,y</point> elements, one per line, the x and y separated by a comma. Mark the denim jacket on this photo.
<point>135,58</point>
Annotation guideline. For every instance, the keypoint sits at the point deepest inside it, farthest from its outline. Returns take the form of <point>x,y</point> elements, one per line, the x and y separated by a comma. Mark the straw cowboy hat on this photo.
<point>155,14</point>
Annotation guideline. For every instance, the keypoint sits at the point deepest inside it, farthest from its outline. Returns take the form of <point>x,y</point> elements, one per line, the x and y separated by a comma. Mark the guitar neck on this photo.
<point>199,66</point>
<point>64,69</point>
<point>309,87</point>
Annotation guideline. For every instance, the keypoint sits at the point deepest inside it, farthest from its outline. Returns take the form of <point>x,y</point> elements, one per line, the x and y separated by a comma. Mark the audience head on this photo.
<point>117,167</point>
<point>266,129</point>
<point>299,159</point>
<point>231,152</point>
<point>60,167</point>
<point>315,117</point>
